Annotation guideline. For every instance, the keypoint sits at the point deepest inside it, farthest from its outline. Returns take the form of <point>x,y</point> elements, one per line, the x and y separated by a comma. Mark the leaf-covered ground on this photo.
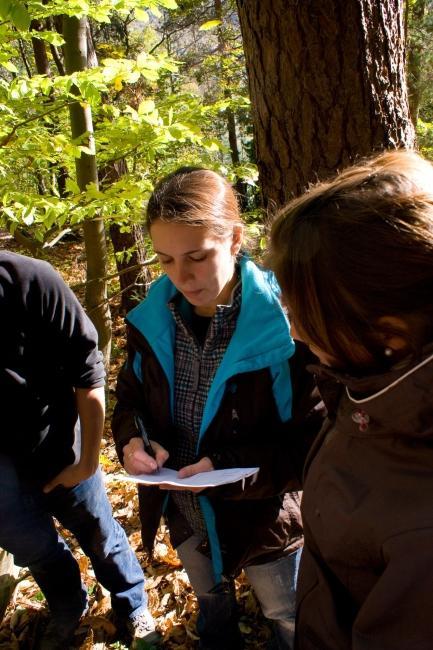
<point>171,599</point>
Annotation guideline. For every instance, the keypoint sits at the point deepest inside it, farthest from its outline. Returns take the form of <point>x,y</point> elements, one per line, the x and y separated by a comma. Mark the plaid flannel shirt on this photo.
<point>195,368</point>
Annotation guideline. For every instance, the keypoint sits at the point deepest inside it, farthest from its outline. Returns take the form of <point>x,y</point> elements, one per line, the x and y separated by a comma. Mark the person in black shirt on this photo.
<point>52,388</point>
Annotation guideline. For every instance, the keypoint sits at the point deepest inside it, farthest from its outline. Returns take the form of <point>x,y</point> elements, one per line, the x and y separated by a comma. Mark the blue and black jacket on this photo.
<point>258,413</point>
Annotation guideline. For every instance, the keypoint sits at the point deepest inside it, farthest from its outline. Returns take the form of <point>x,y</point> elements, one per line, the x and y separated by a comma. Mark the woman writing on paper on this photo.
<point>213,372</point>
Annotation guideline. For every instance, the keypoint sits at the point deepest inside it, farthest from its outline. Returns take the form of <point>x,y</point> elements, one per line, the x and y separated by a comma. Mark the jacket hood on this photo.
<point>261,338</point>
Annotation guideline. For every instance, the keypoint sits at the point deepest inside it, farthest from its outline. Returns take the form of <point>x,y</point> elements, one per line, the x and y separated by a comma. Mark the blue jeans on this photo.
<point>274,584</point>
<point>27,531</point>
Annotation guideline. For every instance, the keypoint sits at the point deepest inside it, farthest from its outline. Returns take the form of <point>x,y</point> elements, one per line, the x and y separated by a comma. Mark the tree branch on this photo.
<point>24,58</point>
<point>115,295</point>
<point>123,155</point>
<point>149,262</point>
<point>32,245</point>
<point>10,135</point>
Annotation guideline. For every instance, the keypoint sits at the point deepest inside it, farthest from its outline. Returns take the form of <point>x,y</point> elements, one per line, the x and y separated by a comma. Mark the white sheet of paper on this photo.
<point>202,480</point>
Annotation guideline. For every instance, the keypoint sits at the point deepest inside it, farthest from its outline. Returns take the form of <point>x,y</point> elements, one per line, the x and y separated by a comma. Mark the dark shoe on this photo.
<point>57,635</point>
<point>217,622</point>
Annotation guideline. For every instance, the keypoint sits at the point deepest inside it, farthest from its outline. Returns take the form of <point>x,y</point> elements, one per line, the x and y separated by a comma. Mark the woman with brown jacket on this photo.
<point>354,258</point>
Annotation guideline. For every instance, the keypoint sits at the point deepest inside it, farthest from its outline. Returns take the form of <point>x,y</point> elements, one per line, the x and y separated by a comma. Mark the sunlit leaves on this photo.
<point>425,138</point>
<point>168,4</point>
<point>53,38</point>
<point>11,67</point>
<point>146,106</point>
<point>20,13</point>
<point>210,24</point>
<point>151,134</point>
<point>152,131</point>
<point>16,12</point>
<point>142,15</point>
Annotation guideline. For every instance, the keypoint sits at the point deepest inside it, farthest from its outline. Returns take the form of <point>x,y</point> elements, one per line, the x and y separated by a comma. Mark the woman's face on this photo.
<point>200,265</point>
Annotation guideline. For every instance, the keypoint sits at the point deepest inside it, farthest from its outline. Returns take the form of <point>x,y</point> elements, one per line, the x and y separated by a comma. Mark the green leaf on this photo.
<point>156,12</point>
<point>72,186</point>
<point>10,66</point>
<point>211,144</point>
<point>142,15</point>
<point>176,132</point>
<point>51,37</point>
<point>28,216</point>
<point>142,59</point>
<point>45,84</point>
<point>169,4</point>
<point>9,212</point>
<point>146,106</point>
<point>210,24</point>
<point>151,75</point>
<point>17,13</point>
<point>87,150</point>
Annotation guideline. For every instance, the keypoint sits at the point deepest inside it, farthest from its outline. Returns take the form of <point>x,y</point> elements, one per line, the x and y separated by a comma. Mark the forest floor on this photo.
<point>171,599</point>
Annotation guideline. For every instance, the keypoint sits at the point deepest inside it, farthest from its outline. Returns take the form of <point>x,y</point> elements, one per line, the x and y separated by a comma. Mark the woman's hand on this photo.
<point>137,461</point>
<point>203,465</point>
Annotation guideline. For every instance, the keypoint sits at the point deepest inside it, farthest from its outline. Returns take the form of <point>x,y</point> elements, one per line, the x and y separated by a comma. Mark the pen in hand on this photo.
<point>143,433</point>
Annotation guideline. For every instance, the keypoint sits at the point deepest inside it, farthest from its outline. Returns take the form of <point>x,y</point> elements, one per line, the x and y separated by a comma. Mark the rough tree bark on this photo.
<point>327,84</point>
<point>75,51</point>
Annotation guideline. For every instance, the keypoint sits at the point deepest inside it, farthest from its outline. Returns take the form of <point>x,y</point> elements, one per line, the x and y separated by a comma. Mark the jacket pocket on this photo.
<point>321,623</point>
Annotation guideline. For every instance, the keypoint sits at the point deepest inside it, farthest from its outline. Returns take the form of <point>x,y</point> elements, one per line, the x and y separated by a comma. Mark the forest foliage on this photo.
<point>420,70</point>
<point>86,128</point>
<point>165,81</point>
<point>148,111</point>
<point>166,85</point>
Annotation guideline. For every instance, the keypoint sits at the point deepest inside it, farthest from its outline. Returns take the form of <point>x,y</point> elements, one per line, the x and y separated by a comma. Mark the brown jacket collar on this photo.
<point>398,402</point>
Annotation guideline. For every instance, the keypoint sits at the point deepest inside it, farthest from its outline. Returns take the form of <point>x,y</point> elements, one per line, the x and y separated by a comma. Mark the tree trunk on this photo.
<point>43,67</point>
<point>75,51</point>
<point>133,277</point>
<point>40,49</point>
<point>327,84</point>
